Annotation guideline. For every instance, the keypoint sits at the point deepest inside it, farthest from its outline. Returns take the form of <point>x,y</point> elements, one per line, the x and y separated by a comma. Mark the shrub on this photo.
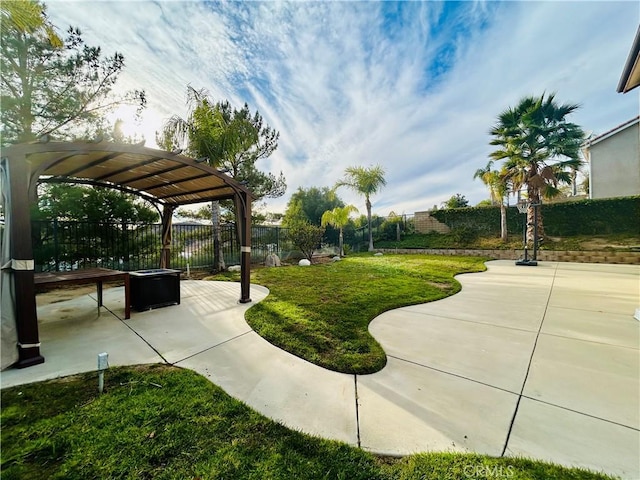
<point>593,217</point>
<point>388,230</point>
<point>306,237</point>
<point>464,235</point>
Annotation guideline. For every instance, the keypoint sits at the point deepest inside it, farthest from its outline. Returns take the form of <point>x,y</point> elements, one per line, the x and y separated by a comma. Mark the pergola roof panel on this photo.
<point>166,177</point>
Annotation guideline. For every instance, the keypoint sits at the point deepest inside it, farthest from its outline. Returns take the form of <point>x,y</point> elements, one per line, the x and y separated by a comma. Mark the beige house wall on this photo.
<point>425,223</point>
<point>615,164</point>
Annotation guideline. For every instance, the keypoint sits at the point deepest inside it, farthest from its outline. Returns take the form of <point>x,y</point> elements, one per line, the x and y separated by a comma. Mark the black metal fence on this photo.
<point>382,228</point>
<point>70,245</point>
<point>62,245</point>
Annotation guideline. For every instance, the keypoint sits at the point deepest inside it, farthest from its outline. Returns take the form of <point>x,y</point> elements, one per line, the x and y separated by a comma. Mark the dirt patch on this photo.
<point>196,275</point>
<point>594,243</point>
<point>323,259</point>
<point>603,244</point>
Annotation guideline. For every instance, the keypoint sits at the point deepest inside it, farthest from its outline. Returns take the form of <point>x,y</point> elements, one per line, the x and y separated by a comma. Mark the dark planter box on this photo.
<point>154,288</point>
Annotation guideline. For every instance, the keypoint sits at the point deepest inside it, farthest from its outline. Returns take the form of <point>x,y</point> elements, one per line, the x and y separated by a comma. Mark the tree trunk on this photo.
<point>540,225</point>
<point>340,243</point>
<point>503,222</point>
<point>369,222</point>
<point>26,103</point>
<point>218,256</point>
<point>534,210</point>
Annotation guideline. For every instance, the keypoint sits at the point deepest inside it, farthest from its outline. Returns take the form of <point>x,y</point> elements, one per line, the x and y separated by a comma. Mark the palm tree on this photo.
<point>229,139</point>
<point>338,217</point>
<point>540,148</point>
<point>28,16</point>
<point>365,181</point>
<point>498,190</point>
<point>201,135</point>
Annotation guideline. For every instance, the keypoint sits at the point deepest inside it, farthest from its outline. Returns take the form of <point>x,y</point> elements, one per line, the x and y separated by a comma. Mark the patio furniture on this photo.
<point>52,280</point>
<point>154,288</point>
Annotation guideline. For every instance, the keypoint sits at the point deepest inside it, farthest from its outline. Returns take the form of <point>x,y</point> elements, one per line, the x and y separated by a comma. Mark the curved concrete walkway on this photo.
<point>525,361</point>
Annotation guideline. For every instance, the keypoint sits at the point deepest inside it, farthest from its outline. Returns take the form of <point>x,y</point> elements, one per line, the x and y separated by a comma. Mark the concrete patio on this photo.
<point>541,362</point>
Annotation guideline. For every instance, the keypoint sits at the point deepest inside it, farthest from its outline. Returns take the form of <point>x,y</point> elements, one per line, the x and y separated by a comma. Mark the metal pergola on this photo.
<point>163,178</point>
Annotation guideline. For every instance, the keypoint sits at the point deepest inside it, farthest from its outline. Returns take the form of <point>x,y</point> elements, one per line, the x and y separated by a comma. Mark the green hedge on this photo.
<point>583,217</point>
<point>486,220</point>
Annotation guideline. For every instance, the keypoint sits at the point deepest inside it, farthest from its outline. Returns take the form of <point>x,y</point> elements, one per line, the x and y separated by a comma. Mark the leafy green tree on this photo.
<point>311,203</point>
<point>294,213</point>
<point>540,148</point>
<point>498,190</point>
<point>229,139</point>
<point>305,236</point>
<point>361,221</point>
<point>85,204</point>
<point>50,89</point>
<point>365,181</point>
<point>456,201</point>
<point>339,218</point>
<point>392,226</point>
<point>96,225</point>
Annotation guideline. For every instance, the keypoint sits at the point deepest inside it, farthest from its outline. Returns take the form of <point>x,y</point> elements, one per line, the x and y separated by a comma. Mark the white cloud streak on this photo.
<point>412,86</point>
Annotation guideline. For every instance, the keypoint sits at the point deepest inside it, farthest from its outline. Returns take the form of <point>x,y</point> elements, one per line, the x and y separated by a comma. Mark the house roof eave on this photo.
<point>630,78</point>
<point>595,140</point>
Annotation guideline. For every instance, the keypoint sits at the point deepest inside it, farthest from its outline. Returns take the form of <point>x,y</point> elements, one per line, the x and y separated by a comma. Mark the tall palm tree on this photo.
<point>201,135</point>
<point>540,148</point>
<point>365,181</point>
<point>339,218</point>
<point>229,139</point>
<point>498,190</point>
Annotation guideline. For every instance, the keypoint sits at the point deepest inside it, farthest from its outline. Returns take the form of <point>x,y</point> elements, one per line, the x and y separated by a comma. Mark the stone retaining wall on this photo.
<point>631,258</point>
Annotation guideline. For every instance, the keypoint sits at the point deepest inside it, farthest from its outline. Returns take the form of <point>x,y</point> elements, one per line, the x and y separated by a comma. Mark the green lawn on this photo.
<point>321,313</point>
<point>161,422</point>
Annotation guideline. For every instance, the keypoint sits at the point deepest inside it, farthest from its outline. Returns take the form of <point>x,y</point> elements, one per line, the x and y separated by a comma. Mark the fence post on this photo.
<point>126,248</point>
<point>56,252</point>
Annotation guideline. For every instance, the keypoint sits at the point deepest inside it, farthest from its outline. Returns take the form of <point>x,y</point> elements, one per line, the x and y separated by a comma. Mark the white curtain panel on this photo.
<point>8,332</point>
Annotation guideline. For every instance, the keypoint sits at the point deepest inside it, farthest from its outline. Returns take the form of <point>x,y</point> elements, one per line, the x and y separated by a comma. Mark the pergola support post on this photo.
<point>165,255</point>
<point>23,264</point>
<point>175,179</point>
<point>243,214</point>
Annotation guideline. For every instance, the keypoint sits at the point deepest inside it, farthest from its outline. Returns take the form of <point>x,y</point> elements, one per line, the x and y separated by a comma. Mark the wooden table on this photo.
<point>90,275</point>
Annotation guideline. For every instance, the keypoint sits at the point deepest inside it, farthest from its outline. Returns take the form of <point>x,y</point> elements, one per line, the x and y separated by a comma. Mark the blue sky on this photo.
<point>411,86</point>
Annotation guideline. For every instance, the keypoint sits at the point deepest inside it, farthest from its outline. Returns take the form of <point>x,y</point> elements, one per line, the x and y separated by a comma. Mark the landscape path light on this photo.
<point>103,364</point>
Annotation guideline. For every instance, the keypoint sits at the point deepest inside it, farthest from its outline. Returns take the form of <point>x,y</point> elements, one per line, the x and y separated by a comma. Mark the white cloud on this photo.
<point>412,86</point>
